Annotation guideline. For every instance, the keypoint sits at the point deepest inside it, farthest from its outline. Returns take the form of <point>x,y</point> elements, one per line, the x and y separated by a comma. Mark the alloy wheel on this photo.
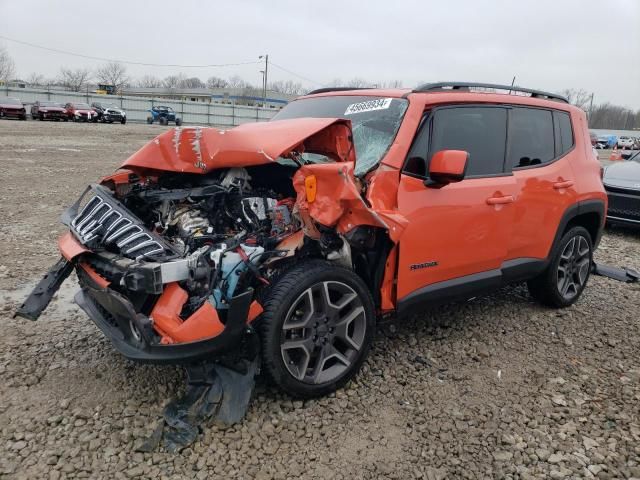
<point>573,267</point>
<point>323,332</point>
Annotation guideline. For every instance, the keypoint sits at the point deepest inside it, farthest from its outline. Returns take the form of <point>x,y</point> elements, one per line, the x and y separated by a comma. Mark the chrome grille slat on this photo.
<point>104,223</point>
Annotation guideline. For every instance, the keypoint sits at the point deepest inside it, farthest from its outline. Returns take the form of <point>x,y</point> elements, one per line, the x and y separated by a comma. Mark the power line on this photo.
<point>294,74</point>
<point>103,59</point>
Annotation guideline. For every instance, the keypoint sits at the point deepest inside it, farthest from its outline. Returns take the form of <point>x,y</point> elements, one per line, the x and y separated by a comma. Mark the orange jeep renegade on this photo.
<point>283,241</point>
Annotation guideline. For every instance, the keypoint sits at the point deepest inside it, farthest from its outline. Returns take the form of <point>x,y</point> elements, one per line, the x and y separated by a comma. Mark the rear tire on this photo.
<point>149,120</point>
<point>564,280</point>
<point>123,121</point>
<point>316,329</point>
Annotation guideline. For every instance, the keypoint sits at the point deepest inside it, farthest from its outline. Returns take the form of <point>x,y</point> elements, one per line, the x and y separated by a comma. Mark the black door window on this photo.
<point>531,139</point>
<point>481,131</point>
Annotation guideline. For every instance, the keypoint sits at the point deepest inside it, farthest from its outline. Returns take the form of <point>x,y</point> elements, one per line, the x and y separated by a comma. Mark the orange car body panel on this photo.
<point>338,200</point>
<point>452,226</point>
<point>97,278</point>
<point>199,149</point>
<point>203,323</point>
<point>69,247</point>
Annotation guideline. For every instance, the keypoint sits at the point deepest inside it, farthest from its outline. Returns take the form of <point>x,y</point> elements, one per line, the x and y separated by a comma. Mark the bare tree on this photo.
<point>217,82</point>
<point>36,79</point>
<point>614,117</point>
<point>578,97</point>
<point>173,81</point>
<point>288,87</point>
<point>358,83</point>
<point>192,82</point>
<point>353,83</point>
<point>237,81</point>
<point>113,73</point>
<point>149,81</point>
<point>390,84</point>
<point>7,66</point>
<point>75,80</point>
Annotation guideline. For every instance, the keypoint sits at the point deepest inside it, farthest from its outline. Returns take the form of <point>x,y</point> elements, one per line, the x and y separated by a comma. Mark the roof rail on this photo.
<point>446,86</point>
<point>337,89</point>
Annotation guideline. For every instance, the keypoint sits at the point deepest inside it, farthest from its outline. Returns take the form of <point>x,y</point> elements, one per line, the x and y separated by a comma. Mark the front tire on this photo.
<point>178,122</point>
<point>317,328</point>
<point>564,280</point>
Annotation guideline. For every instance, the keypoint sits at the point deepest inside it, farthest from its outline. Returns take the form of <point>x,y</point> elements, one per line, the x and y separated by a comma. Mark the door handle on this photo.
<point>561,185</point>
<point>500,200</point>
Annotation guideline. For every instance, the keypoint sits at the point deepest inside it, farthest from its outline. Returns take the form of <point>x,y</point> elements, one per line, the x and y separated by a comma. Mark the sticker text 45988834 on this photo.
<point>368,106</point>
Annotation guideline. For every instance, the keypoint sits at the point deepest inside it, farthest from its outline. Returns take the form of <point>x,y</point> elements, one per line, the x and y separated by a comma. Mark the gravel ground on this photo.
<point>497,387</point>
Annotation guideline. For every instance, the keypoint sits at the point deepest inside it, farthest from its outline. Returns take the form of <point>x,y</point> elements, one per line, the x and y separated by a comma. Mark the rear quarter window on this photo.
<point>531,137</point>
<point>564,135</point>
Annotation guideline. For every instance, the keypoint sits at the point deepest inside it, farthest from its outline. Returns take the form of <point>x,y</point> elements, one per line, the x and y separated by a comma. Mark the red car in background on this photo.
<point>12,107</point>
<point>80,112</point>
<point>45,110</point>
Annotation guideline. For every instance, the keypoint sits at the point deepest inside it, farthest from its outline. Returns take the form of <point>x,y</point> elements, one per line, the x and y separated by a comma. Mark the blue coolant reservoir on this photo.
<point>232,266</point>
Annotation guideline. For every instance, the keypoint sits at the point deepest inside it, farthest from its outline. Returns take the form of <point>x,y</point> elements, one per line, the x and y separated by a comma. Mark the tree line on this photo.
<point>603,115</point>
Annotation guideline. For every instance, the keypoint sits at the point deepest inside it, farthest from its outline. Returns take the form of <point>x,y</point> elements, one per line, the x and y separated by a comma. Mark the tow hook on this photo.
<point>623,274</point>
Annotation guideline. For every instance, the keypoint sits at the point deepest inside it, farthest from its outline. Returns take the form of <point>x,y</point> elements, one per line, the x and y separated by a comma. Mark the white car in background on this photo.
<point>626,142</point>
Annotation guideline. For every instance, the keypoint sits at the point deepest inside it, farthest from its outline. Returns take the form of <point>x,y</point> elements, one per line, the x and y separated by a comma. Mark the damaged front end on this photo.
<point>175,251</point>
<point>172,252</point>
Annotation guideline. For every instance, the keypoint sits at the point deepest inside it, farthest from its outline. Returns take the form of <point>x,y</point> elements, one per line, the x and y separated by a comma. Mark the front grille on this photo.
<point>104,222</point>
<point>623,203</point>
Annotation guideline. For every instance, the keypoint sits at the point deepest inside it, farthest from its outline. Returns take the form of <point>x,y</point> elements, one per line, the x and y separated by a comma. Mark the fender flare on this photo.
<point>580,208</point>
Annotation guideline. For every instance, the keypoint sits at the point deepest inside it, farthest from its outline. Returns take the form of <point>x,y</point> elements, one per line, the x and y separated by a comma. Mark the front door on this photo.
<point>458,235</point>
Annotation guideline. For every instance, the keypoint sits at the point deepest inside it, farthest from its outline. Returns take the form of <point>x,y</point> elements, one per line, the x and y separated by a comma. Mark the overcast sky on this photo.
<point>546,44</point>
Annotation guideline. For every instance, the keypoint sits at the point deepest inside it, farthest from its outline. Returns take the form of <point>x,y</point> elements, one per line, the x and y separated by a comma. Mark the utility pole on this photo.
<point>265,79</point>
<point>590,107</point>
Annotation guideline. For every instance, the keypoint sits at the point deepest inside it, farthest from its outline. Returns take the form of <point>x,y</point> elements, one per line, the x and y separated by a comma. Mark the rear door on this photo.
<point>541,144</point>
<point>457,234</point>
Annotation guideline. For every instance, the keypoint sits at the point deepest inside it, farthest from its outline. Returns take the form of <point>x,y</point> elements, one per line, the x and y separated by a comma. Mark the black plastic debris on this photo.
<point>625,274</point>
<point>215,393</point>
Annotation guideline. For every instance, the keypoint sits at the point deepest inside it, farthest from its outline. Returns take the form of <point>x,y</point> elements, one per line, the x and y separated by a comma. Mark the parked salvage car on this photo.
<point>12,108</point>
<point>80,112</point>
<point>109,113</point>
<point>163,115</point>
<point>283,242</point>
<point>622,184</point>
<point>45,110</point>
<point>606,141</point>
<point>626,142</point>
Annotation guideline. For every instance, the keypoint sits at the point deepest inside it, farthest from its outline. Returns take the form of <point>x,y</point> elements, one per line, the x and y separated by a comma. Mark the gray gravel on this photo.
<point>497,387</point>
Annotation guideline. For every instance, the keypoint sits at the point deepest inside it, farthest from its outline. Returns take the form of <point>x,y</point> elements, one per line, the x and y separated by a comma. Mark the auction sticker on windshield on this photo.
<point>368,106</point>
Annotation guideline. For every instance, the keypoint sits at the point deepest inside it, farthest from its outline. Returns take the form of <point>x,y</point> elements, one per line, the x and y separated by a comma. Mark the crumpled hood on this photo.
<point>201,149</point>
<point>625,174</point>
